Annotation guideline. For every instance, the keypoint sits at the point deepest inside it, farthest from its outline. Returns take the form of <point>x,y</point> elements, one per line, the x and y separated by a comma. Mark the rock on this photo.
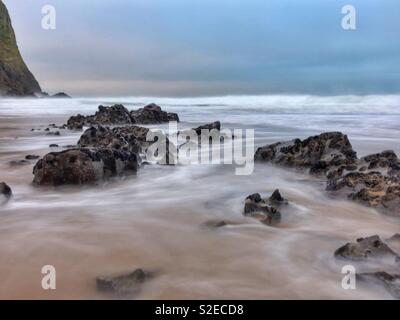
<point>31,157</point>
<point>326,153</point>
<point>264,210</point>
<point>83,166</point>
<point>374,182</point>
<point>388,281</point>
<point>123,284</point>
<point>119,115</point>
<point>5,190</point>
<point>60,95</point>
<point>151,114</point>
<point>365,248</point>
<point>15,77</point>
<point>132,139</point>
<point>394,238</point>
<point>17,163</point>
<point>53,145</point>
<point>215,224</point>
<point>209,126</point>
<point>53,133</point>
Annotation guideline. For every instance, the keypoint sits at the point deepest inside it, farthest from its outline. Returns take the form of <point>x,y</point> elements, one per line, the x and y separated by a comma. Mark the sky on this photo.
<point>210,47</point>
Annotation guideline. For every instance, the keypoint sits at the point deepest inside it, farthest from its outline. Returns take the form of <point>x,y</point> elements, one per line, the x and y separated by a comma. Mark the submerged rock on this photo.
<point>18,163</point>
<point>31,157</point>
<point>83,166</point>
<point>119,115</point>
<point>365,248</point>
<point>388,281</point>
<point>5,190</point>
<point>60,95</point>
<point>123,284</point>
<point>264,210</point>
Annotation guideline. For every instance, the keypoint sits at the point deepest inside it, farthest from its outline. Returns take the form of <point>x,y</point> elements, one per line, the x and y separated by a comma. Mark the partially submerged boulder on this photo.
<point>388,281</point>
<point>320,154</point>
<point>264,210</point>
<point>83,166</point>
<point>119,115</point>
<point>123,284</point>
<point>365,248</point>
<point>209,126</point>
<point>152,114</point>
<point>5,190</point>
<point>374,182</point>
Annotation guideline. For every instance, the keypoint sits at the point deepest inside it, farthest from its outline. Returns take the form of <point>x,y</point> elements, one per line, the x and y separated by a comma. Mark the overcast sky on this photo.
<point>210,47</point>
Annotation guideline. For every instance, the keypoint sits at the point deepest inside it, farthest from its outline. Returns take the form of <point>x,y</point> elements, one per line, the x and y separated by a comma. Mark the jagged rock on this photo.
<point>5,190</point>
<point>209,126</point>
<point>265,210</point>
<point>15,77</point>
<point>119,115</point>
<point>151,114</point>
<point>374,182</point>
<point>132,139</point>
<point>320,154</point>
<point>388,281</point>
<point>123,284</point>
<point>365,248</point>
<point>83,166</point>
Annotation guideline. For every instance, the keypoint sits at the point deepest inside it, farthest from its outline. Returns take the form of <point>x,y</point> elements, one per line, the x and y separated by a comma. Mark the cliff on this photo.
<point>15,77</point>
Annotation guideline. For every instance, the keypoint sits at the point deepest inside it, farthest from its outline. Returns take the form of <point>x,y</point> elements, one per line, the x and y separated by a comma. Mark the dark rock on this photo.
<point>119,115</point>
<point>327,153</point>
<point>151,114</point>
<point>375,182</point>
<point>31,157</point>
<point>5,190</point>
<point>132,139</point>
<point>264,210</point>
<point>53,133</point>
<point>365,248</point>
<point>83,166</point>
<point>209,126</point>
<point>388,281</point>
<point>53,145</point>
<point>17,163</point>
<point>60,95</point>
<point>123,284</point>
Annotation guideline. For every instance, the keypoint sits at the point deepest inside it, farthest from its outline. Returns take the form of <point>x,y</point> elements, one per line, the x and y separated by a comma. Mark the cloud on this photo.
<point>210,47</point>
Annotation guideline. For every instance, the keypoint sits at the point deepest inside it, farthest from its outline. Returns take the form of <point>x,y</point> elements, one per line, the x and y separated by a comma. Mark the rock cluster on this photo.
<point>264,209</point>
<point>373,249</point>
<point>373,180</point>
<point>119,115</point>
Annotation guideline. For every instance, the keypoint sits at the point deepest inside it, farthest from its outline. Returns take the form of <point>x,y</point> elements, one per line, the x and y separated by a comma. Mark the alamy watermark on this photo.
<point>206,146</point>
